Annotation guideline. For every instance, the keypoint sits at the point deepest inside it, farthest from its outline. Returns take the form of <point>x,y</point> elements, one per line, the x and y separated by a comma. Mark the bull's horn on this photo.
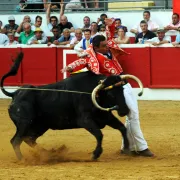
<point>93,96</point>
<point>128,76</point>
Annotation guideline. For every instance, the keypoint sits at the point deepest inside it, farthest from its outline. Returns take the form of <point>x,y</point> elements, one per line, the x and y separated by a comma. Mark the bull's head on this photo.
<point>113,93</point>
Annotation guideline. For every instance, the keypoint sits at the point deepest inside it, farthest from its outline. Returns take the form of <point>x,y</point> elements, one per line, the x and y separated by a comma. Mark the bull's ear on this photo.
<point>111,80</point>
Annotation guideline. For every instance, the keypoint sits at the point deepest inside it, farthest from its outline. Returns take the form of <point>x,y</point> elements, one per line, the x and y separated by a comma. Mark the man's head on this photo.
<point>144,26</point>
<point>11,20</point>
<point>38,21</point>
<point>94,27</point>
<point>87,34</point>
<point>66,32</point>
<point>11,37</point>
<point>161,33</point>
<point>53,20</point>
<point>100,44</point>
<point>38,33</point>
<point>27,19</point>
<point>86,21</point>
<point>175,18</point>
<point>102,28</point>
<point>146,15</point>
<point>78,34</point>
<point>64,20</point>
<point>121,32</point>
<point>27,27</point>
<point>117,22</point>
<point>55,31</point>
<point>103,17</point>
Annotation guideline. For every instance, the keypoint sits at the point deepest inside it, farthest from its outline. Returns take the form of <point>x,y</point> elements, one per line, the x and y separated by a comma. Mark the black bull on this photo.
<point>34,112</point>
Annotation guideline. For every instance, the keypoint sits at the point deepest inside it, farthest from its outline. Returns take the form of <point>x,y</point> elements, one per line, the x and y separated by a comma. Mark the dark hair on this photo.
<point>54,17</point>
<point>103,15</point>
<point>123,28</point>
<point>55,27</point>
<point>118,19</point>
<point>148,12</point>
<point>38,17</point>
<point>97,39</point>
<point>87,30</point>
<point>176,14</point>
<point>143,22</point>
<point>87,17</point>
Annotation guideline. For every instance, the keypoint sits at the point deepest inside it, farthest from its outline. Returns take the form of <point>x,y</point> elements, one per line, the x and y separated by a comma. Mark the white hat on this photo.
<point>11,18</point>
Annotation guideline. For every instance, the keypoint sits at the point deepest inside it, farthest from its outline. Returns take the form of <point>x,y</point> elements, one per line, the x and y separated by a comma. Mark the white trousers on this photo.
<point>134,133</point>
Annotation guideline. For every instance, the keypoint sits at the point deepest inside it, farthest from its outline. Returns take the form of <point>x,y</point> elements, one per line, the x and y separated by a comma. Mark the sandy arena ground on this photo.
<point>69,155</point>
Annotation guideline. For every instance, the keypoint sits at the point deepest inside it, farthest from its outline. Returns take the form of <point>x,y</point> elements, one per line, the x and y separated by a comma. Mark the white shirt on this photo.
<point>95,34</point>
<point>14,42</point>
<point>156,39</point>
<point>151,25</point>
<point>4,40</point>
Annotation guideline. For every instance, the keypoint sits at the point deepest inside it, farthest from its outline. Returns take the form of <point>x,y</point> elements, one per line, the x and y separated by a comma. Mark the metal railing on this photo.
<point>103,6</point>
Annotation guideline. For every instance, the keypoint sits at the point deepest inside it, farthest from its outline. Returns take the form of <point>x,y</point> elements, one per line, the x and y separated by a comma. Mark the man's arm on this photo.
<point>78,46</point>
<point>48,12</point>
<point>45,5</point>
<point>61,10</point>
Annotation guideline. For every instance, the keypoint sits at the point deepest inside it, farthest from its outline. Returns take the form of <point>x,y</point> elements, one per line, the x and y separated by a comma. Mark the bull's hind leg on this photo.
<point>116,124</point>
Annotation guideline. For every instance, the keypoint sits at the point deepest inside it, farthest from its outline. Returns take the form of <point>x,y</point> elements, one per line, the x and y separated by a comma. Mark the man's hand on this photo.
<point>155,43</point>
<point>56,42</point>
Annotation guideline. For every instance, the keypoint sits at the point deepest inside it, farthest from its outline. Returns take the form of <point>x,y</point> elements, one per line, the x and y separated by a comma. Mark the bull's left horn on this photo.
<point>93,96</point>
<point>128,76</point>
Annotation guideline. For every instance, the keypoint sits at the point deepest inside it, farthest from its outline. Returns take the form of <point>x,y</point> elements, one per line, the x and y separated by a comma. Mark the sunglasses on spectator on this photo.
<point>11,20</point>
<point>53,20</point>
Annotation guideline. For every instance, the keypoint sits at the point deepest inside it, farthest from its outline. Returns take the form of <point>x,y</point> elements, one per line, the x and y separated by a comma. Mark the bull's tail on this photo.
<point>13,71</point>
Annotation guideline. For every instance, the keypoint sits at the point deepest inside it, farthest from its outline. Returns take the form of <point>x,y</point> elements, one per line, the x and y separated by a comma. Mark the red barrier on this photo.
<point>39,66</point>
<point>7,55</point>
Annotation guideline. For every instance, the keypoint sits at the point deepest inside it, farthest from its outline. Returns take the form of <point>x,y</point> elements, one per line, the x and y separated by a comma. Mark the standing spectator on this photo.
<point>38,37</point>
<point>145,34</point>
<point>86,21</point>
<point>94,29</point>
<point>118,24</point>
<point>96,3</point>
<point>25,19</point>
<point>100,20</point>
<point>26,34</point>
<point>84,43</point>
<point>160,39</point>
<point>55,31</point>
<point>65,38</point>
<point>122,38</point>
<point>177,42</point>
<point>38,23</point>
<point>1,30</point>
<point>78,37</point>
<point>52,21</point>
<point>175,24</point>
<point>11,39</point>
<point>11,27</point>
<point>152,26</point>
<point>4,40</point>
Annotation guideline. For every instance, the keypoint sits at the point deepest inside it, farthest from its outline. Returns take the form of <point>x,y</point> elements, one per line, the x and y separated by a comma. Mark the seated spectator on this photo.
<point>145,34</point>
<point>177,42</point>
<point>4,40</point>
<point>122,38</point>
<point>38,37</point>
<point>73,4</point>
<point>1,30</point>
<point>26,34</point>
<point>84,43</point>
<point>102,31</point>
<point>160,39</point>
<point>77,38</point>
<point>175,24</point>
<point>118,25</point>
<point>56,33</point>
<point>152,26</point>
<point>11,27</point>
<point>94,29</point>
<point>52,21</point>
<point>65,38</point>
<point>11,39</point>
<point>86,21</point>
<point>100,21</point>
<point>25,19</point>
<point>38,23</point>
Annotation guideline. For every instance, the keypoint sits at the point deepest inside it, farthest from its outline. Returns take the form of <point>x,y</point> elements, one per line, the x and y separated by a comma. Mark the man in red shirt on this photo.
<point>101,58</point>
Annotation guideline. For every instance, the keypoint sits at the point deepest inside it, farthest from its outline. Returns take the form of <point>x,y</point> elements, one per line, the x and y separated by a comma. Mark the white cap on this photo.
<point>11,18</point>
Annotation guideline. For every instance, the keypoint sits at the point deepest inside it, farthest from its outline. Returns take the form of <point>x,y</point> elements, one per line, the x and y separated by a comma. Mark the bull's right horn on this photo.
<point>128,76</point>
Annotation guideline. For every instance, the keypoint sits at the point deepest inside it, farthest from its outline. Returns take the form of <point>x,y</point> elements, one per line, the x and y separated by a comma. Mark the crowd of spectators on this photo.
<point>146,31</point>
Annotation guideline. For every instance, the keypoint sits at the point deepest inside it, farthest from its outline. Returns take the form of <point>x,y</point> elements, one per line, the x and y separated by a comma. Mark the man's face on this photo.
<point>38,22</point>
<point>11,22</point>
<point>38,35</point>
<point>53,21</point>
<point>144,27</point>
<point>103,18</point>
<point>27,29</point>
<point>87,35</point>
<point>63,20</point>
<point>161,35</point>
<point>94,27</point>
<point>175,19</point>
<point>103,48</point>
<point>11,37</point>
<point>55,32</point>
<point>27,19</point>
<point>78,35</point>
<point>86,21</point>
<point>117,23</point>
<point>66,34</point>
<point>146,16</point>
